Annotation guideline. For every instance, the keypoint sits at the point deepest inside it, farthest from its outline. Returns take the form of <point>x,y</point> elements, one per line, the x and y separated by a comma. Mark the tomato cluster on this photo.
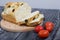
<point>43,33</point>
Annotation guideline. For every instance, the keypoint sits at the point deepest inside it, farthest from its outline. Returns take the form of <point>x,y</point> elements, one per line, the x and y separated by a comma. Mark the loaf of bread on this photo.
<point>20,13</point>
<point>14,11</point>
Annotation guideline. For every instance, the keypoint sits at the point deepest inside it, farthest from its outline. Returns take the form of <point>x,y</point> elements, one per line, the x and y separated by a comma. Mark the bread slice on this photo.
<point>30,17</point>
<point>37,20</point>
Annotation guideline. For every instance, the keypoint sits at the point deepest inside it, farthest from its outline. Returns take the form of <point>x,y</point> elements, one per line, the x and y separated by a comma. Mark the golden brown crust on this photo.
<point>11,4</point>
<point>11,19</point>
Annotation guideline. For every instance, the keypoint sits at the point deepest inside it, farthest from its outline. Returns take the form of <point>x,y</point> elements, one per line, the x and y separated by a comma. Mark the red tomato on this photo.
<point>43,34</point>
<point>49,29</point>
<point>49,24</point>
<point>38,28</point>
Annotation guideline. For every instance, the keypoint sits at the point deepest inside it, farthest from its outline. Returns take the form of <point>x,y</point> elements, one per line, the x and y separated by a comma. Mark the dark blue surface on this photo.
<point>57,37</point>
<point>50,15</point>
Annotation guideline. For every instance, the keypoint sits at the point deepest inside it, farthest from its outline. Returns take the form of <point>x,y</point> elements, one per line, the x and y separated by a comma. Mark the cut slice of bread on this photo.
<point>37,20</point>
<point>30,17</point>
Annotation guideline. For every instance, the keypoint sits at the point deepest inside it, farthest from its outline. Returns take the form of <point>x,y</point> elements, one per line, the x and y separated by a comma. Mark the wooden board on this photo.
<point>14,28</point>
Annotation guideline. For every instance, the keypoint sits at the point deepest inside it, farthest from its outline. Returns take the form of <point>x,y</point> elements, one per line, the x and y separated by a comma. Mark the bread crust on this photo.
<point>9,18</point>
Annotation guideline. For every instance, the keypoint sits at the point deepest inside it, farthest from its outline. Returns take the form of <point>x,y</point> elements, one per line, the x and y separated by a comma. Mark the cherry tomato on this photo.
<point>49,29</point>
<point>49,24</point>
<point>38,28</point>
<point>43,34</point>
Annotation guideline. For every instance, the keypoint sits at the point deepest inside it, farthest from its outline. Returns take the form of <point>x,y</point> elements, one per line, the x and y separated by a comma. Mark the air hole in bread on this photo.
<point>34,18</point>
<point>26,20</point>
<point>9,6</point>
<point>13,10</point>
<point>21,4</point>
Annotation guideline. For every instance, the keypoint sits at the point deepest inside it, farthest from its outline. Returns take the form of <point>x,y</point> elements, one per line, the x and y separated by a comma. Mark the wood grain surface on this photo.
<point>13,27</point>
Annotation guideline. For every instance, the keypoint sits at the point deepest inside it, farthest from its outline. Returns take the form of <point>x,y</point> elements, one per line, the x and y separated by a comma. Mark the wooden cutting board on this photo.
<point>8,26</point>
